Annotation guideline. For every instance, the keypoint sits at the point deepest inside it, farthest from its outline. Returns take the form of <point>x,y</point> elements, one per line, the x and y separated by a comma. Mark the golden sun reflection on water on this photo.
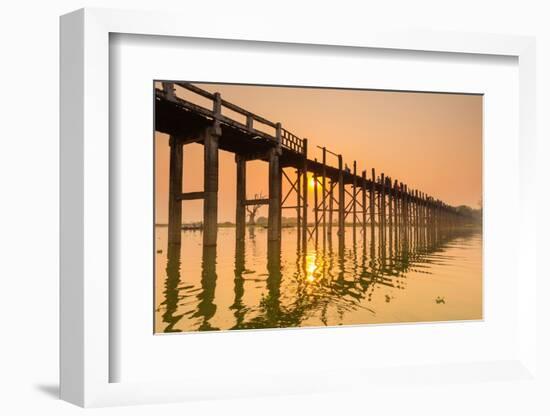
<point>311,267</point>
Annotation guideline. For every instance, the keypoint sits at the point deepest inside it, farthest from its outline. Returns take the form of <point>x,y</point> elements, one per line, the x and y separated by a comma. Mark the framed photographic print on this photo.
<point>309,239</point>
<point>273,213</point>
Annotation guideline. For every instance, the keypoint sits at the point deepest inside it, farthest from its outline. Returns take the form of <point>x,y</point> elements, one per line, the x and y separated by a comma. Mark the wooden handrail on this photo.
<point>288,139</point>
<point>227,104</point>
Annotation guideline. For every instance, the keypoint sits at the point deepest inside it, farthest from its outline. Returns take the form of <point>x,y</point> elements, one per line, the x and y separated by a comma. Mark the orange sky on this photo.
<point>432,142</point>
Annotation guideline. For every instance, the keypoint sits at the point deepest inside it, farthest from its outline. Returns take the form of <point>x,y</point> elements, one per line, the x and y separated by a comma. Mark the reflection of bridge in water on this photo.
<point>367,203</point>
<point>322,278</point>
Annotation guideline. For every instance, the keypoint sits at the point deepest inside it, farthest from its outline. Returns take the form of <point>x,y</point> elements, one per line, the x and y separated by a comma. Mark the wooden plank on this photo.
<point>264,201</point>
<point>189,196</point>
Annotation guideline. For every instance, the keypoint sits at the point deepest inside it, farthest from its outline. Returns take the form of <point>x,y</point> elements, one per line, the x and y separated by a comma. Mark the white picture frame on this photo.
<point>85,165</point>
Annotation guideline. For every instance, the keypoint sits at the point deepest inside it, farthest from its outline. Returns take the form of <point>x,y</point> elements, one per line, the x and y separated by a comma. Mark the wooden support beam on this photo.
<point>169,89</point>
<point>354,206</point>
<point>402,210</point>
<point>298,205</point>
<point>210,206</point>
<point>304,195</point>
<point>293,185</point>
<point>323,189</point>
<point>395,210</point>
<point>371,201</point>
<point>190,196</point>
<point>416,216</point>
<point>383,208</point>
<point>175,188</point>
<point>406,211</point>
<point>364,203</point>
<point>315,205</point>
<point>240,214</point>
<point>330,209</point>
<point>260,201</point>
<point>341,204</point>
<point>279,181</point>
<point>256,156</point>
<point>390,210</point>
<point>274,211</point>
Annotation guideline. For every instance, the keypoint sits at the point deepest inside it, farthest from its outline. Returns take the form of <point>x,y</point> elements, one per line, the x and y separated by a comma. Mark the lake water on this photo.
<point>411,280</point>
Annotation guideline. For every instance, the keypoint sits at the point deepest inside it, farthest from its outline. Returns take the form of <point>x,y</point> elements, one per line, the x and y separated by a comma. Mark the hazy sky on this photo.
<point>432,142</point>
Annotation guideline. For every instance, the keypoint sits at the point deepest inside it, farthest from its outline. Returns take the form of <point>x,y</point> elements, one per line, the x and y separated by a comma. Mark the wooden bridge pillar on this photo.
<point>304,195</point>
<point>330,209</point>
<point>372,196</point>
<point>395,211</point>
<point>341,205</point>
<point>175,190</point>
<point>417,217</point>
<point>275,197</point>
<point>298,206</point>
<point>324,194</point>
<point>354,206</point>
<point>383,209</point>
<point>316,205</point>
<point>211,142</point>
<point>240,217</point>
<point>390,210</point>
<point>424,219</point>
<point>402,217</point>
<point>406,212</point>
<point>364,204</point>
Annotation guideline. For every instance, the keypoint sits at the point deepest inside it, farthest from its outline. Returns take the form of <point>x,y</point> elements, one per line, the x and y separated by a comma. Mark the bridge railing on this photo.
<point>288,140</point>
<point>292,142</point>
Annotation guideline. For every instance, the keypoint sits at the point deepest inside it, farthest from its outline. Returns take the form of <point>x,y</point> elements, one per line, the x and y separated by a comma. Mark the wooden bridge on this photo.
<point>365,201</point>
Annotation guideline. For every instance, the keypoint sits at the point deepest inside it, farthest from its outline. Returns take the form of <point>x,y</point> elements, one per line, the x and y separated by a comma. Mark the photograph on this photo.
<point>281,206</point>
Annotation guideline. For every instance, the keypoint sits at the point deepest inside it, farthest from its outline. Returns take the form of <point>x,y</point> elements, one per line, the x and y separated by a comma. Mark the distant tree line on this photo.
<point>475,214</point>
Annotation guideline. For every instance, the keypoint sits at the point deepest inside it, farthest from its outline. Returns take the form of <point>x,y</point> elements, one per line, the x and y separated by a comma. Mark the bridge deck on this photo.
<point>182,118</point>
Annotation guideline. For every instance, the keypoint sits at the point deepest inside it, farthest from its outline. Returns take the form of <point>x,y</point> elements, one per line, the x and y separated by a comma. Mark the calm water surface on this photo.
<point>244,288</point>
